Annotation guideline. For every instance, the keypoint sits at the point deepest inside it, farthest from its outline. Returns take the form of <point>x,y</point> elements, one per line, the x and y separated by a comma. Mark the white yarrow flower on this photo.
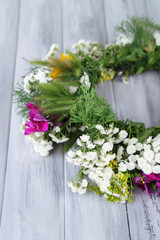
<point>123,40</point>
<point>130,165</point>
<point>122,167</point>
<point>58,140</point>
<point>156,169</point>
<point>27,80</point>
<point>82,128</point>
<point>52,51</point>
<point>157,38</point>
<point>147,168</point>
<point>123,134</point>
<point>149,155</point>
<point>72,89</point>
<point>133,141</point>
<point>91,156</point>
<point>131,149</point>
<point>107,147</point>
<point>157,157</point>
<point>85,138</point>
<point>146,147</point>
<point>71,154</point>
<point>139,146</point>
<point>108,172</point>
<point>79,142</point>
<point>84,80</point>
<point>142,162</point>
<point>40,76</point>
<point>132,158</point>
<point>90,145</point>
<point>115,130</point>
<point>56,129</point>
<point>99,127</point>
<point>84,183</point>
<point>99,141</point>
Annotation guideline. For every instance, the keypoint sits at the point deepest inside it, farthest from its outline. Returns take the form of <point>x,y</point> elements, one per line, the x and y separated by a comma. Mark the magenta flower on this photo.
<point>37,122</point>
<point>144,181</point>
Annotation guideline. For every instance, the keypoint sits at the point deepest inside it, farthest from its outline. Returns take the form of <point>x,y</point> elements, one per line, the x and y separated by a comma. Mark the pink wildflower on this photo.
<point>37,122</point>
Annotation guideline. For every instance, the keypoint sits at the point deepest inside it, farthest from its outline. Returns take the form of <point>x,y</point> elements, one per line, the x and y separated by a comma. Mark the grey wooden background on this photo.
<point>35,203</point>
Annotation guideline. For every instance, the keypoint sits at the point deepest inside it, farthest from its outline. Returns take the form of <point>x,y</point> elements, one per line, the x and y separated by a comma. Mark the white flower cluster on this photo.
<point>84,80</point>
<point>52,52</point>
<point>123,40</point>
<point>41,146</point>
<point>145,157</point>
<point>55,135</point>
<point>95,155</point>
<point>40,76</point>
<point>156,35</point>
<point>87,47</point>
<point>72,89</point>
<point>80,187</point>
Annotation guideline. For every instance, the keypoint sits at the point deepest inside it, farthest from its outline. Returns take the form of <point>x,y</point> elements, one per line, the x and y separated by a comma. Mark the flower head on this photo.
<point>37,122</point>
<point>56,71</point>
<point>145,182</point>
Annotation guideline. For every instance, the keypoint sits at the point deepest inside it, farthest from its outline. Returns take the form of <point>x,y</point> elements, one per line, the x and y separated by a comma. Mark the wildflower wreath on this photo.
<point>59,104</point>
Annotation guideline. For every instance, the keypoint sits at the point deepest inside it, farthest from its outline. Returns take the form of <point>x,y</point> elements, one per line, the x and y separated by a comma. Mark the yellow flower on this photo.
<point>106,75</point>
<point>64,57</point>
<point>112,164</point>
<point>56,71</point>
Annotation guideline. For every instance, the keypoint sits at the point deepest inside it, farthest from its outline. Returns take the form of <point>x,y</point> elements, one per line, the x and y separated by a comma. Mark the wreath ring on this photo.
<point>60,104</point>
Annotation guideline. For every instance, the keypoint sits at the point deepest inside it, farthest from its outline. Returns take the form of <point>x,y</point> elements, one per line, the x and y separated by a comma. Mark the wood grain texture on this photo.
<point>37,202</point>
<point>89,216</point>
<point>8,44</point>
<point>33,206</point>
<point>137,101</point>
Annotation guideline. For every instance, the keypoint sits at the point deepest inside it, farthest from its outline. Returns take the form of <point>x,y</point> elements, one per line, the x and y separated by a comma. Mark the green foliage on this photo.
<point>21,98</point>
<point>91,109</point>
<point>86,107</point>
<point>137,129</point>
<point>92,66</point>
<point>72,139</point>
<point>141,29</point>
<point>54,98</point>
<point>70,68</point>
<point>40,63</point>
<point>140,55</point>
<point>78,177</point>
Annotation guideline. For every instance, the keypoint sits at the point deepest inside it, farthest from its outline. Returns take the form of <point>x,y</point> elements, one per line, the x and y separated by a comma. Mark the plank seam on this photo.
<point>11,106</point>
<point>129,232</point>
<point>111,82</point>
<point>115,106</point>
<point>104,18</point>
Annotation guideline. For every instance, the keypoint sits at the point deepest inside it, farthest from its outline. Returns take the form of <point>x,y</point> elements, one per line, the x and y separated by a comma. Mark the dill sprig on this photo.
<point>21,98</point>
<point>91,109</point>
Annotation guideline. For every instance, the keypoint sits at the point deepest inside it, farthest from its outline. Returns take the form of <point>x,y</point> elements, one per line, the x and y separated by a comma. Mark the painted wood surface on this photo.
<point>37,204</point>
<point>33,206</point>
<point>8,45</point>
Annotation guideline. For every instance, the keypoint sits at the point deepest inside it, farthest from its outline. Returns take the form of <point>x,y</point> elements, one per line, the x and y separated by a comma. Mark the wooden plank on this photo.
<point>8,38</point>
<point>148,208</point>
<point>89,216</point>
<point>138,101</point>
<point>34,198</point>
